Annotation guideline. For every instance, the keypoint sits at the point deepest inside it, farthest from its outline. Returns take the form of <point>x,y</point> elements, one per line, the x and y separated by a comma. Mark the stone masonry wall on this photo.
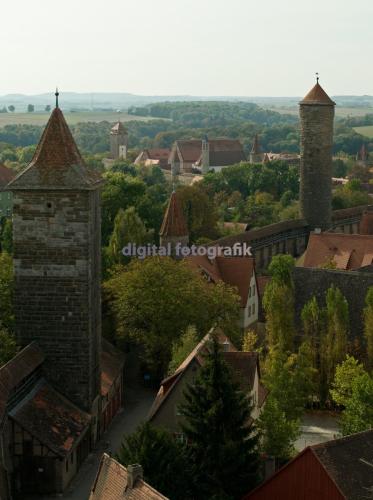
<point>316,164</point>
<point>57,286</point>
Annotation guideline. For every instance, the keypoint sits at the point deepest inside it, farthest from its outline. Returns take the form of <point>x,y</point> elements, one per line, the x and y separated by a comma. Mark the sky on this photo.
<point>194,47</point>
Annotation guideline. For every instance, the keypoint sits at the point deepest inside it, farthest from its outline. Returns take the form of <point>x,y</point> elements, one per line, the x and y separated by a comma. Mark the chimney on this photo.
<point>134,472</point>
<point>205,155</point>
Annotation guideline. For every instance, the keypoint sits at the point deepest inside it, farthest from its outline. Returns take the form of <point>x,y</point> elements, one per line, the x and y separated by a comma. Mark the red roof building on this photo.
<point>154,157</point>
<point>341,469</point>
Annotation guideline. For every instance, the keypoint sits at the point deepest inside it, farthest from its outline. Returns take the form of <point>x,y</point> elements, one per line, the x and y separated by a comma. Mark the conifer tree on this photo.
<point>222,445</point>
<point>368,327</point>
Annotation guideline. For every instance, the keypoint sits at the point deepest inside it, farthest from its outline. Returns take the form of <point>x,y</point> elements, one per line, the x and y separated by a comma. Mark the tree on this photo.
<point>6,291</point>
<point>156,299</point>
<point>8,346</point>
<point>278,303</point>
<point>183,347</point>
<point>222,446</point>
<point>368,326</point>
<point>345,375</point>
<point>250,341</point>
<point>128,228</point>
<point>11,108</point>
<point>163,460</point>
<point>334,343</point>
<point>358,413</point>
<point>30,108</point>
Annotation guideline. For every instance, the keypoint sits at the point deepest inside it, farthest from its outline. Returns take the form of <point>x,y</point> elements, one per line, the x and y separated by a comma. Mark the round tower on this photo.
<point>316,118</point>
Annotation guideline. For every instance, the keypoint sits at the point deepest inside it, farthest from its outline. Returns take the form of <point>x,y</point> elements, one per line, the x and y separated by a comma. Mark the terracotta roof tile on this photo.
<point>6,175</point>
<point>51,418</point>
<point>57,162</point>
<point>112,361</point>
<point>317,95</point>
<point>112,484</point>
<point>16,370</point>
<point>244,366</point>
<point>346,251</point>
<point>235,271</point>
<point>174,223</point>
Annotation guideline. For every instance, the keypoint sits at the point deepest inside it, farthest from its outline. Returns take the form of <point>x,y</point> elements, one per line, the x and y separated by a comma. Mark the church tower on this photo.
<point>205,155</point>
<point>118,141</point>
<point>316,117</point>
<point>57,241</point>
<point>174,228</point>
<point>256,155</point>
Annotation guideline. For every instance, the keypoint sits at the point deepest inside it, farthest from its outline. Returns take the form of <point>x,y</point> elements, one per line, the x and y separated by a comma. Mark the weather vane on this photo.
<point>57,94</point>
<point>317,77</point>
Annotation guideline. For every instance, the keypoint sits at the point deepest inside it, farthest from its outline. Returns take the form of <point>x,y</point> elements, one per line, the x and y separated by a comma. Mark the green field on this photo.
<point>342,112</point>
<point>71,117</point>
<point>367,130</point>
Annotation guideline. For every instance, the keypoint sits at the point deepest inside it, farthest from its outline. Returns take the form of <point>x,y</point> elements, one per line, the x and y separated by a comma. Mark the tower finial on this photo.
<point>317,77</point>
<point>57,94</point>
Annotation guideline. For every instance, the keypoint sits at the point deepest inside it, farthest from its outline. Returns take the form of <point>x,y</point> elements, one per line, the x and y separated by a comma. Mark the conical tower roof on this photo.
<point>174,223</point>
<point>317,96</point>
<point>57,163</point>
<point>256,149</point>
<point>118,129</point>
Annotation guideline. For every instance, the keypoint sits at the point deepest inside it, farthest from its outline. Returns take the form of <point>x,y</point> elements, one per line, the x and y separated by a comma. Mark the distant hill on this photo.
<point>113,101</point>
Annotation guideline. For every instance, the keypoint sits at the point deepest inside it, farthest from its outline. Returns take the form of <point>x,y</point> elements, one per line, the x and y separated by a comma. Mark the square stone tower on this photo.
<point>56,236</point>
<point>118,141</point>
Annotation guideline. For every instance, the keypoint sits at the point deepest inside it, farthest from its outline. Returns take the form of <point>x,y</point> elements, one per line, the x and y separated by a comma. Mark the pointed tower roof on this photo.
<point>174,223</point>
<point>256,149</point>
<point>317,96</point>
<point>118,128</point>
<point>57,163</point>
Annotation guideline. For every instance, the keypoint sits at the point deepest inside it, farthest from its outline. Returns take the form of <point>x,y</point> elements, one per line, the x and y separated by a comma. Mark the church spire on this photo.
<point>57,95</point>
<point>174,228</point>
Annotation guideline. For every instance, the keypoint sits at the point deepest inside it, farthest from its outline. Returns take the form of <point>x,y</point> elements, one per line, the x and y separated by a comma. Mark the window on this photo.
<point>249,312</point>
<point>180,437</point>
<point>253,309</point>
<point>72,458</point>
<point>254,289</point>
<point>250,292</point>
<point>67,465</point>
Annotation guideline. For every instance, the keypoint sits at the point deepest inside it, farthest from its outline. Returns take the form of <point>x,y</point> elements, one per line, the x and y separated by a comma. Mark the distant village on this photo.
<point>70,395</point>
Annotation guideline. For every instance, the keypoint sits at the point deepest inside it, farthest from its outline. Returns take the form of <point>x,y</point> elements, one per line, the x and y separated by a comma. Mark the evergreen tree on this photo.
<point>278,304</point>
<point>163,460</point>
<point>368,326</point>
<point>222,446</point>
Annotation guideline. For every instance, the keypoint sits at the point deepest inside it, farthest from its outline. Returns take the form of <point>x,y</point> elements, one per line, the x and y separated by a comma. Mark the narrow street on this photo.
<point>137,402</point>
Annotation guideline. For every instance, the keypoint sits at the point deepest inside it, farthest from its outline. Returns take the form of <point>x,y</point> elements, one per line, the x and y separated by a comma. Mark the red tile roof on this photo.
<point>51,418</point>
<point>112,361</point>
<point>197,354</point>
<point>158,153</point>
<point>317,95</point>
<point>16,370</point>
<point>6,175</point>
<point>235,271</point>
<point>346,251</point>
<point>174,223</point>
<point>112,484</point>
<point>57,162</point>
<point>222,152</point>
<point>366,223</point>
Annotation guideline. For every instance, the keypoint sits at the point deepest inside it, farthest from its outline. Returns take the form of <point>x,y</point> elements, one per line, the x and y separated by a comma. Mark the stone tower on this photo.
<point>118,141</point>
<point>316,117</point>
<point>56,237</point>
<point>205,156</point>
<point>174,228</point>
<point>256,155</point>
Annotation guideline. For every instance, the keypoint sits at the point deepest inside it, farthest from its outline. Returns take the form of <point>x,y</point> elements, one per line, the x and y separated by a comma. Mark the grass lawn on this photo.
<point>71,118</point>
<point>367,130</point>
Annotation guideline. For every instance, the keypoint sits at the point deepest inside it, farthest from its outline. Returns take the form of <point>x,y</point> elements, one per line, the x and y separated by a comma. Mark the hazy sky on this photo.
<point>198,47</point>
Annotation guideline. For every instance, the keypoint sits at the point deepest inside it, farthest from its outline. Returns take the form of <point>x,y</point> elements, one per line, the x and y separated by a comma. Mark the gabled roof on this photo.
<point>112,361</point>
<point>197,354</point>
<point>174,223</point>
<point>347,462</point>
<point>345,251</point>
<point>16,370</point>
<point>317,96</point>
<point>235,271</point>
<point>6,175</point>
<point>112,484</point>
<point>57,163</point>
<point>118,129</point>
<point>51,418</point>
